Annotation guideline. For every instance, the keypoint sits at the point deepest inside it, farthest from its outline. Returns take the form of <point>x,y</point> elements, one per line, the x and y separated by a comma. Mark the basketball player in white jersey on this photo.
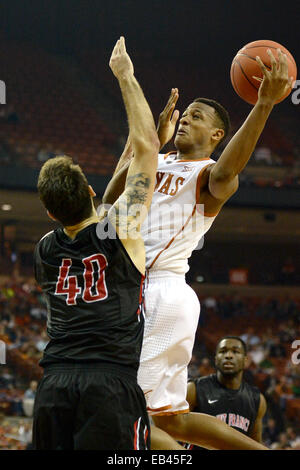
<point>189,178</point>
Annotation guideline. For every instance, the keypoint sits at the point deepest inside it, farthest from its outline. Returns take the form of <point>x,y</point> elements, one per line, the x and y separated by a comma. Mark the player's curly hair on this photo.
<point>222,119</point>
<point>64,191</point>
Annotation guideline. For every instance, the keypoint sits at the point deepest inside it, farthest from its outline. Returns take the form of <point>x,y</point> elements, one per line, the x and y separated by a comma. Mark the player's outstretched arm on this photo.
<point>223,180</point>
<point>165,130</point>
<point>131,207</point>
<point>124,159</point>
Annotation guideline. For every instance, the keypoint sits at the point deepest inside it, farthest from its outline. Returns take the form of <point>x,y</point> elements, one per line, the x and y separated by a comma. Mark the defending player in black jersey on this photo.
<point>226,395</point>
<point>88,397</point>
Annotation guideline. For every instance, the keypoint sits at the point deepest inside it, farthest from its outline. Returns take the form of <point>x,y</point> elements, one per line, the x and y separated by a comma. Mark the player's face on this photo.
<point>196,127</point>
<point>230,357</point>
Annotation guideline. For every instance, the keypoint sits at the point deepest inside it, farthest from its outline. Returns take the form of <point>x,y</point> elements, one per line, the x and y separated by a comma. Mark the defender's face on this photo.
<point>195,126</point>
<point>230,357</point>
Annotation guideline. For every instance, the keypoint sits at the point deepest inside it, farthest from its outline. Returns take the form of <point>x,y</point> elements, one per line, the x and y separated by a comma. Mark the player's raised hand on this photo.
<point>275,82</point>
<point>168,119</point>
<point>120,62</point>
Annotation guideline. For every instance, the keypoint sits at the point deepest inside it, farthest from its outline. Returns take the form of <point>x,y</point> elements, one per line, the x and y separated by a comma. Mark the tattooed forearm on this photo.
<point>137,187</point>
<point>130,210</point>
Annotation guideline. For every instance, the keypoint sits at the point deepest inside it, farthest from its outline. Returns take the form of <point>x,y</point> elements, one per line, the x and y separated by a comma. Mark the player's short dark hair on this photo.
<point>234,337</point>
<point>64,190</point>
<point>222,119</point>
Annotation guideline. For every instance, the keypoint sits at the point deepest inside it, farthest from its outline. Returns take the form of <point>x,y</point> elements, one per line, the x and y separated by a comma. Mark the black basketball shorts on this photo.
<point>89,407</point>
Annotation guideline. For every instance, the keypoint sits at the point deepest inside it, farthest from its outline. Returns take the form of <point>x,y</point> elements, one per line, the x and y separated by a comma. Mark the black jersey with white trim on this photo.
<point>94,297</point>
<point>237,408</point>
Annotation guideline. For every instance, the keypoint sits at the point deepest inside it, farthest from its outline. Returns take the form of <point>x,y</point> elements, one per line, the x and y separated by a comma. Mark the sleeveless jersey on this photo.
<point>94,297</point>
<point>237,408</point>
<point>176,221</point>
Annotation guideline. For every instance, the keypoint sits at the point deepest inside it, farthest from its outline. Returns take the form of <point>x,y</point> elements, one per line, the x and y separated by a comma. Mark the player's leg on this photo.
<point>205,431</point>
<point>111,414</point>
<point>160,440</point>
<point>172,313</point>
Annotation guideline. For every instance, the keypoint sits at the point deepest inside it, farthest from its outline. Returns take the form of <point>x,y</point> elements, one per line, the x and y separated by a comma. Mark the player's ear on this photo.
<point>91,191</point>
<point>247,361</point>
<point>51,216</point>
<point>217,135</point>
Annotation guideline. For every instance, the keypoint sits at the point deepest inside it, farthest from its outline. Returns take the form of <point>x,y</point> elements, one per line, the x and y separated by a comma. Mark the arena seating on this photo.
<point>50,115</point>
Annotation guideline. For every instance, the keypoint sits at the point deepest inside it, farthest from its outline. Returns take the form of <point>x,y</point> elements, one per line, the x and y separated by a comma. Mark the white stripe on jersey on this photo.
<point>49,233</point>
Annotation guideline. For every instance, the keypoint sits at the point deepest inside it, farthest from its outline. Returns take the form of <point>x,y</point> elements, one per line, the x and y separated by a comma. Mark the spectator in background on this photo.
<point>28,398</point>
<point>277,349</point>
<point>270,383</point>
<point>42,341</point>
<point>45,153</point>
<point>7,380</point>
<point>250,337</point>
<point>9,114</point>
<point>288,272</point>
<point>205,367</point>
<point>31,391</point>
<point>210,304</point>
<point>281,443</point>
<point>284,391</point>
<point>271,432</point>
<point>257,353</point>
<point>293,438</point>
<point>263,155</point>
<point>296,387</point>
<point>193,369</point>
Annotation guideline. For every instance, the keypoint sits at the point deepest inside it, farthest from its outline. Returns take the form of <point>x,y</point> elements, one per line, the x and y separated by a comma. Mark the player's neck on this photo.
<point>71,231</point>
<point>232,383</point>
<point>193,154</point>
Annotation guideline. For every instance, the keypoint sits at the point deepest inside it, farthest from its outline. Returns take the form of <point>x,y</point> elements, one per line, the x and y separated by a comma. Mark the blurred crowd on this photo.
<point>273,344</point>
<point>275,328</point>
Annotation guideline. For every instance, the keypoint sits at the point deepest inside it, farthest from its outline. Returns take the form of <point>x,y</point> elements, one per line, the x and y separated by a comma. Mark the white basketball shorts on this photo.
<point>172,313</point>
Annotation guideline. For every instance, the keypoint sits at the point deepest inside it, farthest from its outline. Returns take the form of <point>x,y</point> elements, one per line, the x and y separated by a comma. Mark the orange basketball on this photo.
<point>244,66</point>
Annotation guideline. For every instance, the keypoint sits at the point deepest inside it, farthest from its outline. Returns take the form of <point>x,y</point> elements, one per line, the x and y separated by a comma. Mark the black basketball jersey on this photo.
<point>237,408</point>
<point>94,297</point>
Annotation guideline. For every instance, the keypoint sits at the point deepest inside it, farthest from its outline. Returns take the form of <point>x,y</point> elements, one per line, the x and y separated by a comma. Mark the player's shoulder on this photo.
<point>46,239</point>
<point>43,244</point>
<point>206,379</point>
<point>253,391</point>
<point>251,387</point>
<point>47,236</point>
<point>163,157</point>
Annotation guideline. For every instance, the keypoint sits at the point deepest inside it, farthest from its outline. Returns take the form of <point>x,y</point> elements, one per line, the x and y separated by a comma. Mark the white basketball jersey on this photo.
<point>176,222</point>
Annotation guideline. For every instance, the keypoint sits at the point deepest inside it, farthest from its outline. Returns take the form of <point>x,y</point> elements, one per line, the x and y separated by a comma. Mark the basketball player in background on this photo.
<point>189,177</point>
<point>225,394</point>
<point>88,397</point>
